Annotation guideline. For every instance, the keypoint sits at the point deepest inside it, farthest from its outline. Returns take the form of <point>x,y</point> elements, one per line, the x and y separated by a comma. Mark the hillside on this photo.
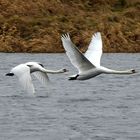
<point>36,25</point>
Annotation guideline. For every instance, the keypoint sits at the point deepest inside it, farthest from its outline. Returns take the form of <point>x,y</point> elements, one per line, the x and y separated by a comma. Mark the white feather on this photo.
<point>42,77</point>
<point>75,56</point>
<point>22,71</point>
<point>94,52</point>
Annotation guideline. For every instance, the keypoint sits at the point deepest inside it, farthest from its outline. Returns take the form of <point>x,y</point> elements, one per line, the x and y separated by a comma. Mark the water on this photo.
<point>106,107</point>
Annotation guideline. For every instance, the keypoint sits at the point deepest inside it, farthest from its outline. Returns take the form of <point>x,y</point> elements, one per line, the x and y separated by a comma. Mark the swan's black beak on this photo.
<point>133,71</point>
<point>65,70</point>
<point>9,74</point>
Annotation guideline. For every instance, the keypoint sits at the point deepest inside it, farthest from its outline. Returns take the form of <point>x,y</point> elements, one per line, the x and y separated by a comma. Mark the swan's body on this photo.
<point>24,71</point>
<point>88,64</point>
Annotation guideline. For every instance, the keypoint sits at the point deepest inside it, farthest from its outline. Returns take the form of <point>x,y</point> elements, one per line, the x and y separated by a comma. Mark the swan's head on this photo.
<point>65,70</point>
<point>9,74</point>
<point>133,71</point>
<point>29,66</point>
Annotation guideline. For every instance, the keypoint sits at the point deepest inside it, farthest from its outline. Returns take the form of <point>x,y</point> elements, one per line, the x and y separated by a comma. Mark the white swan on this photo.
<point>88,64</point>
<point>24,71</point>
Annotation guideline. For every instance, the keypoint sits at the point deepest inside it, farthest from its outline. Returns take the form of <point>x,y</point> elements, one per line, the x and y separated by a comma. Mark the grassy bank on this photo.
<point>36,25</point>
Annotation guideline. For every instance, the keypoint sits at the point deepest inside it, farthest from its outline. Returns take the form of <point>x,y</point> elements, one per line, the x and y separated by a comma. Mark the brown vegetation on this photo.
<point>36,25</point>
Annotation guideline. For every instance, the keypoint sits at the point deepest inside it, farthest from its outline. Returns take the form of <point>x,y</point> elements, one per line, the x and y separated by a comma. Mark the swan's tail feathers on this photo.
<point>73,77</point>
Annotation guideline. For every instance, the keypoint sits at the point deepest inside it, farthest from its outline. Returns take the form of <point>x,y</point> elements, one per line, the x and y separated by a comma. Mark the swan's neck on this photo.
<point>110,71</point>
<point>55,71</point>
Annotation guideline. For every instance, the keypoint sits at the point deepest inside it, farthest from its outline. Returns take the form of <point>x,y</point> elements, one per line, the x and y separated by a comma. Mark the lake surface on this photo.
<point>106,107</point>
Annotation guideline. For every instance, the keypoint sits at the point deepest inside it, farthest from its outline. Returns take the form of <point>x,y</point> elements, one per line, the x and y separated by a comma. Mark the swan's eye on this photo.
<point>29,65</point>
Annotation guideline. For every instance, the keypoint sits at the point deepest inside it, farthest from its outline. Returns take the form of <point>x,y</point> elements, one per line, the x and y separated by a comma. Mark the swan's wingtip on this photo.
<point>65,36</point>
<point>98,33</point>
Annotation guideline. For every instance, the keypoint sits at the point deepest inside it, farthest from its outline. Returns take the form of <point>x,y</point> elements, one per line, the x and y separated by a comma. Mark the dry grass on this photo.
<point>36,25</point>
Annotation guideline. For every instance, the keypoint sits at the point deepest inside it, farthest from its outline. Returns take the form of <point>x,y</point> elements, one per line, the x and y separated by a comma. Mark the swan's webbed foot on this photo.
<point>73,77</point>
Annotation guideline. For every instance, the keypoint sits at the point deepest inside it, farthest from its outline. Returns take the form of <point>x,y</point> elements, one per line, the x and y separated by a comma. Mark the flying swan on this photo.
<point>24,71</point>
<point>88,64</point>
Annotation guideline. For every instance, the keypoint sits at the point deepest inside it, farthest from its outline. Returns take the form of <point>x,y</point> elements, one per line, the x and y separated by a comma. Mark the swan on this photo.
<point>24,71</point>
<point>88,64</point>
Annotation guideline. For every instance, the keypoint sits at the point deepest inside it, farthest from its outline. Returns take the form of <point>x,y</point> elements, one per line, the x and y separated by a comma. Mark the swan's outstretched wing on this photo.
<point>94,52</point>
<point>42,77</point>
<point>75,56</point>
<point>26,82</point>
<point>23,73</point>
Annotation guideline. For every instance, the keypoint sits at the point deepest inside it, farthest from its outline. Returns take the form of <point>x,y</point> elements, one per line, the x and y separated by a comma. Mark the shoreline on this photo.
<point>38,26</point>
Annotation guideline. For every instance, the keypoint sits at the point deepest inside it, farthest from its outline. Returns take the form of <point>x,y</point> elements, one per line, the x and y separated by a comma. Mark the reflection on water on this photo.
<point>106,107</point>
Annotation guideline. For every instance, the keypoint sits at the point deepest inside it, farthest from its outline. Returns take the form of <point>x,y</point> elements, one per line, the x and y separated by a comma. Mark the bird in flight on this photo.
<point>88,64</point>
<point>24,72</point>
